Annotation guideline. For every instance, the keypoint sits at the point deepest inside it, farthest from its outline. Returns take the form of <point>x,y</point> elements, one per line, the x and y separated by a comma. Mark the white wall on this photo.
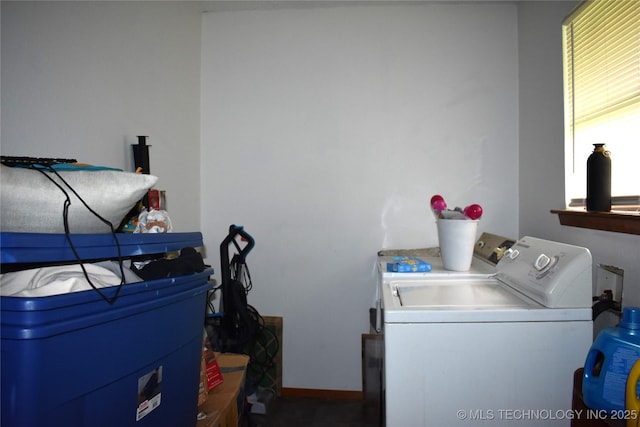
<point>325,131</point>
<point>82,79</point>
<point>542,146</point>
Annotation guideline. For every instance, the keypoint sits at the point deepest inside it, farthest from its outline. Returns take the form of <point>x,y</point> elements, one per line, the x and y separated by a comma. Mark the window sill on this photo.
<point>620,222</point>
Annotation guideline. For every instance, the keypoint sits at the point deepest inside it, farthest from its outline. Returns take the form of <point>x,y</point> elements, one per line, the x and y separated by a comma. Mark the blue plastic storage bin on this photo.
<point>76,360</point>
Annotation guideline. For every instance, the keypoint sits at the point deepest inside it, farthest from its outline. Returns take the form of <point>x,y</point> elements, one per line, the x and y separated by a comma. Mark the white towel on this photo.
<point>55,280</point>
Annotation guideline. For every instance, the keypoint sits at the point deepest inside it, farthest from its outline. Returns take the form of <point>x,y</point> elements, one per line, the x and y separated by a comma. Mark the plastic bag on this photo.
<point>153,221</point>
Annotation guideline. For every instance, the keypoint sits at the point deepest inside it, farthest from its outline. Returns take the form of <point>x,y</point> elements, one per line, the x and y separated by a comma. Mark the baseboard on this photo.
<point>322,394</point>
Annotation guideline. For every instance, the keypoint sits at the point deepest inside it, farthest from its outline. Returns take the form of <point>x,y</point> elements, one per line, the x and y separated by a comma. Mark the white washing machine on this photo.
<point>498,349</point>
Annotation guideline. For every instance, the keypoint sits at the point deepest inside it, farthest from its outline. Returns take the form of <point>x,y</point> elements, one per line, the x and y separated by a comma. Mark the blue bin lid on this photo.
<point>43,247</point>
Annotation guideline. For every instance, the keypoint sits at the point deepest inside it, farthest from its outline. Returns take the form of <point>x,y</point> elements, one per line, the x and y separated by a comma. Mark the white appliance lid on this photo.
<point>477,294</point>
<point>466,300</point>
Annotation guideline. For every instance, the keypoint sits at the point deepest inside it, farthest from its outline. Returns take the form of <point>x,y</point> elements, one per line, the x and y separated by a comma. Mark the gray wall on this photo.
<point>82,79</point>
<point>328,129</point>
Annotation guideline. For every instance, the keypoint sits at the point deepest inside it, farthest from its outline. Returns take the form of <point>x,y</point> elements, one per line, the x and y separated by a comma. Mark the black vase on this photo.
<point>599,180</point>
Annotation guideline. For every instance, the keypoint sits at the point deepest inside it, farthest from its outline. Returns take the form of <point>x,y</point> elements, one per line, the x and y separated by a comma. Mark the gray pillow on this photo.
<point>30,203</point>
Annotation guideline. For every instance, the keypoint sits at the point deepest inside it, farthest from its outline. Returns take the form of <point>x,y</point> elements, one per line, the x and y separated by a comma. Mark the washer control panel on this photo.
<point>491,247</point>
<point>554,274</point>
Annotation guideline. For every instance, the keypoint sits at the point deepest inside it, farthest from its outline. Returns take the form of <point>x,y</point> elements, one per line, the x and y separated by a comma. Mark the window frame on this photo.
<point>625,214</point>
<point>594,71</point>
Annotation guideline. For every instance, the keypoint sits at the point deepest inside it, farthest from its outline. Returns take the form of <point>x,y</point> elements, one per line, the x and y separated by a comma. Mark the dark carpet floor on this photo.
<point>310,412</point>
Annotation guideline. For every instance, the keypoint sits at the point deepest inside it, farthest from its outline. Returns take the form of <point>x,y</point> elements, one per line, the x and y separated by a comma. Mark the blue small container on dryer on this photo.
<point>609,361</point>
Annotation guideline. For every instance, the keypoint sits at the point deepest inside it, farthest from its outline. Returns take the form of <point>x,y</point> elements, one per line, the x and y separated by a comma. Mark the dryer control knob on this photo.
<point>511,253</point>
<point>542,262</point>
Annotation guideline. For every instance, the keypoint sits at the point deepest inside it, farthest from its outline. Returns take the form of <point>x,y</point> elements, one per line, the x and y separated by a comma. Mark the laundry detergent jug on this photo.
<point>609,361</point>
